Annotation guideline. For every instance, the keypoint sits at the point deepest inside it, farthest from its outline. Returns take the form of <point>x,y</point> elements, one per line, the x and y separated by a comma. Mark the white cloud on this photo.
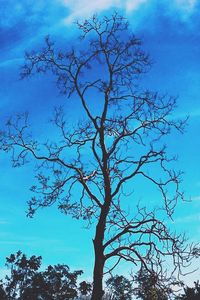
<point>4,222</point>
<point>188,219</point>
<point>187,5</point>
<point>196,198</point>
<point>85,8</point>
<point>195,113</point>
<point>8,62</point>
<point>185,9</point>
<point>133,5</point>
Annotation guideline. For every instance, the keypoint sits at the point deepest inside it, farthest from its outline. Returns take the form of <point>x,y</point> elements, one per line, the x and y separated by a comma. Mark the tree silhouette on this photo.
<point>120,288</point>
<point>27,282</point>
<point>118,141</point>
<point>3,295</point>
<point>190,293</point>
<point>22,271</point>
<point>55,283</point>
<point>151,287</point>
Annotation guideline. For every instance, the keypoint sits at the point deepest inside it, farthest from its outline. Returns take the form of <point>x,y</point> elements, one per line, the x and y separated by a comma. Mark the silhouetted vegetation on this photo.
<point>151,287</point>
<point>190,293</point>
<point>120,288</point>
<point>26,281</point>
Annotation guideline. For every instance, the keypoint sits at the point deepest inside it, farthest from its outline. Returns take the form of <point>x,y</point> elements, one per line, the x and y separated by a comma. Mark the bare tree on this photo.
<point>118,141</point>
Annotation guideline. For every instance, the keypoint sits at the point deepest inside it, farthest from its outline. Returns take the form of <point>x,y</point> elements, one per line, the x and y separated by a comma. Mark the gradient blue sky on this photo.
<point>170,30</point>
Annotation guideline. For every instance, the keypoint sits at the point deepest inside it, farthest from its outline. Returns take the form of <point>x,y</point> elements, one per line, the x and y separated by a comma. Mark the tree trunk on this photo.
<point>98,292</point>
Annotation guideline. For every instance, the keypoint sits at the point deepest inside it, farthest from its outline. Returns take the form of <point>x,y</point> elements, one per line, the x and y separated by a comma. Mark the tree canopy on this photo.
<point>120,288</point>
<point>190,293</point>
<point>27,282</point>
<point>149,286</point>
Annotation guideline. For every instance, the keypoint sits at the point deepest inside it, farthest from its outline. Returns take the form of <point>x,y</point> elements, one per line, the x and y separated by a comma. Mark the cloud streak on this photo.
<point>196,198</point>
<point>84,8</point>
<point>188,219</point>
<point>186,5</point>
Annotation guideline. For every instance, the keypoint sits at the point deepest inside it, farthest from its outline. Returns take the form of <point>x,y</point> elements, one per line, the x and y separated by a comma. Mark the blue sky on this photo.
<point>170,33</point>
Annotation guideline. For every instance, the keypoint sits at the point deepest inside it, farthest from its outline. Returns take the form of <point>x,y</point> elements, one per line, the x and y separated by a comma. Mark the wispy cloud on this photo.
<point>195,113</point>
<point>4,222</point>
<point>186,5</point>
<point>22,22</point>
<point>84,8</point>
<point>196,198</point>
<point>184,9</point>
<point>8,62</point>
<point>188,219</point>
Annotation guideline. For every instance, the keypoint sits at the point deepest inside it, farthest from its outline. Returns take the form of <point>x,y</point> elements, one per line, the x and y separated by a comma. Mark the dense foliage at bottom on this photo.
<point>26,281</point>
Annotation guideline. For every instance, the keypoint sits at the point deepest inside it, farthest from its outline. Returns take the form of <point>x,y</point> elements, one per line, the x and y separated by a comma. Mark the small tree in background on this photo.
<point>190,293</point>
<point>26,282</point>
<point>22,270</point>
<point>151,287</point>
<point>119,288</point>
<point>3,295</point>
<point>118,141</point>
